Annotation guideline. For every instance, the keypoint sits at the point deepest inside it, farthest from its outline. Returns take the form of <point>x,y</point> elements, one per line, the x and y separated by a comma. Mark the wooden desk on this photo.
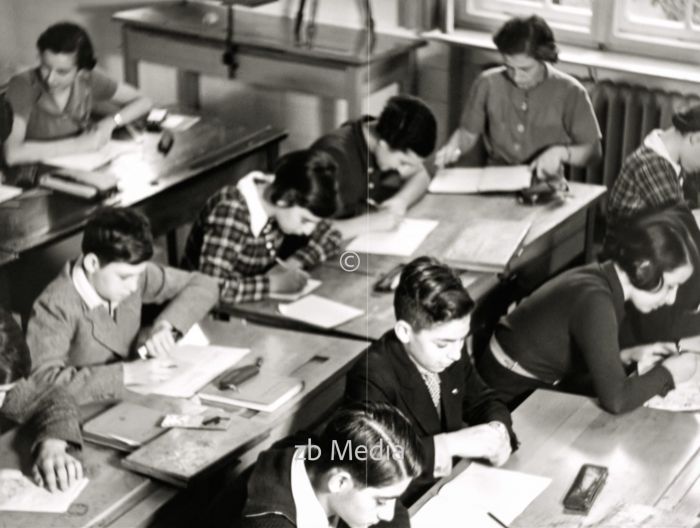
<point>653,457</point>
<point>335,65</point>
<point>559,235</point>
<point>320,361</point>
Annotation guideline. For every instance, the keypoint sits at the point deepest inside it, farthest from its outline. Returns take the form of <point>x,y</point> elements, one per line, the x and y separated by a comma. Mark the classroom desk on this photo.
<point>560,233</point>
<point>336,64</point>
<point>653,457</point>
<point>128,499</point>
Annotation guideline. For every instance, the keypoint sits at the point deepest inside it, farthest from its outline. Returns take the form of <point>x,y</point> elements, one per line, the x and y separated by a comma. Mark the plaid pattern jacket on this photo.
<point>647,181</point>
<point>222,244</point>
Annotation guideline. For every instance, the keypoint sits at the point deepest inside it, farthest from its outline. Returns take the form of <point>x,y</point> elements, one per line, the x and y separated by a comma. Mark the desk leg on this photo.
<point>188,89</point>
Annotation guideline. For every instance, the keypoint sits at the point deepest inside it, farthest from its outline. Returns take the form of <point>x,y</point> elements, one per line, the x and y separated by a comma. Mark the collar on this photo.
<point>655,143</point>
<point>249,190</point>
<point>310,513</point>
<point>86,291</point>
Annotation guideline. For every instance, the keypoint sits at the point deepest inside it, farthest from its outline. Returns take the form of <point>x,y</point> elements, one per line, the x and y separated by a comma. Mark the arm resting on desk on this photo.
<point>413,189</point>
<point>323,243</point>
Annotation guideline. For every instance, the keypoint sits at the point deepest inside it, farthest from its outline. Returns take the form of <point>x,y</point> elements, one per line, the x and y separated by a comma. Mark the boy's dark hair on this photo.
<point>306,178</point>
<point>531,35</point>
<point>67,37</point>
<point>387,440</point>
<point>15,361</point>
<point>116,234</point>
<point>687,121</point>
<point>430,292</point>
<point>649,245</point>
<point>406,123</point>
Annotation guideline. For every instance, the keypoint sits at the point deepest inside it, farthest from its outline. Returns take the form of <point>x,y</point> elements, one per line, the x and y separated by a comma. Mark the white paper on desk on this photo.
<point>311,285</point>
<point>195,367</point>
<point>195,336</point>
<point>684,398</point>
<point>88,161</point>
<point>472,180</point>
<point>8,192</point>
<point>18,493</point>
<point>319,311</point>
<point>179,122</point>
<point>479,489</point>
<point>402,241</point>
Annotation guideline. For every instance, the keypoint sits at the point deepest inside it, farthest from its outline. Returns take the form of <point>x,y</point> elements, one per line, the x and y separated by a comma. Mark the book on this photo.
<point>319,311</point>
<point>488,245</point>
<point>8,192</point>
<point>468,180</point>
<point>18,493</point>
<point>311,285</point>
<point>89,161</point>
<point>80,183</point>
<point>125,427</point>
<point>402,241</point>
<point>265,392</point>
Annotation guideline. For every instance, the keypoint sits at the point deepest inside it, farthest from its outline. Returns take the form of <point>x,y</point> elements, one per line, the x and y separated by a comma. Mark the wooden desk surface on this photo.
<point>42,217</point>
<point>273,33</point>
<point>320,361</point>
<point>554,226</point>
<point>653,457</point>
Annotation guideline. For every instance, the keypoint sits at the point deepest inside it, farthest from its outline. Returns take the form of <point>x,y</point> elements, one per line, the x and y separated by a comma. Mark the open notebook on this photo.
<point>18,493</point>
<point>468,180</point>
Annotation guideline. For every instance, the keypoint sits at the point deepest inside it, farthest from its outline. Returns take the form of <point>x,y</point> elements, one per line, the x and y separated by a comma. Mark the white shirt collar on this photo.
<point>655,143</point>
<point>249,190</point>
<point>86,291</point>
<point>310,513</point>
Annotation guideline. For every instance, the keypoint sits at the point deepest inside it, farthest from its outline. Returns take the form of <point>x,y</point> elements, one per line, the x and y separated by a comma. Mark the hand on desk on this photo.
<point>287,279</point>
<point>650,352</point>
<point>683,367</point>
<point>97,136</point>
<point>550,162</point>
<point>490,441</point>
<point>385,218</point>
<point>54,468</point>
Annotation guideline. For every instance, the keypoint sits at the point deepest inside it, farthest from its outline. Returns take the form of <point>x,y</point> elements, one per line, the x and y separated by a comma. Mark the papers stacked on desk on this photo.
<point>18,493</point>
<point>477,491</point>
<point>403,241</point>
<point>319,311</point>
<point>464,180</point>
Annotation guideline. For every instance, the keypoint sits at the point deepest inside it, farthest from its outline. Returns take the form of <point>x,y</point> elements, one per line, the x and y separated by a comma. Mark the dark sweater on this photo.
<point>270,502</point>
<point>569,327</point>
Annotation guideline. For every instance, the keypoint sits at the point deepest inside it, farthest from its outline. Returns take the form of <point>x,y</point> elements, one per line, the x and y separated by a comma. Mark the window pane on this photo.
<point>580,4</point>
<point>660,10</point>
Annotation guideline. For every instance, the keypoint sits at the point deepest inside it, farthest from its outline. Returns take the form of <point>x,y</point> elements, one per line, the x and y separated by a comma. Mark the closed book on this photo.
<point>125,426</point>
<point>264,392</point>
<point>84,184</point>
<point>488,245</point>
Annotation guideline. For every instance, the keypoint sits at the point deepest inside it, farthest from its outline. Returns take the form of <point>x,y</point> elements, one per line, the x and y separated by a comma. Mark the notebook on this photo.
<point>125,426</point>
<point>18,493</point>
<point>311,285</point>
<point>319,311</point>
<point>402,241</point>
<point>8,192</point>
<point>265,392</point>
<point>83,184</point>
<point>488,245</point>
<point>466,180</point>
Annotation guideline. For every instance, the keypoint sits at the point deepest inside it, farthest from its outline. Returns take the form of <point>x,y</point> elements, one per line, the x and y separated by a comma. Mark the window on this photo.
<point>661,28</point>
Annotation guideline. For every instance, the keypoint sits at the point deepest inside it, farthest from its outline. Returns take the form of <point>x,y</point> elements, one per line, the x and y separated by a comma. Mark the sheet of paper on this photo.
<point>195,336</point>
<point>179,122</point>
<point>18,493</point>
<point>88,161</point>
<point>403,241</point>
<point>311,285</point>
<point>472,180</point>
<point>195,366</point>
<point>319,311</point>
<point>8,192</point>
<point>684,398</point>
<point>480,489</point>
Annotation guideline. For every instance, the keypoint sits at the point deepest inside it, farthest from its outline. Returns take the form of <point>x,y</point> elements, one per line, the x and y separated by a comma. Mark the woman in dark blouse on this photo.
<point>568,328</point>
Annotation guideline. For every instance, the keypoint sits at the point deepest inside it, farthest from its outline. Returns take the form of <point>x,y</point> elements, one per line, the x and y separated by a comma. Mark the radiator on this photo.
<point>626,114</point>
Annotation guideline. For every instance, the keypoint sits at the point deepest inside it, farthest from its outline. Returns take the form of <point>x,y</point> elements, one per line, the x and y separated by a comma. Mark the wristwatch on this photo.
<point>118,119</point>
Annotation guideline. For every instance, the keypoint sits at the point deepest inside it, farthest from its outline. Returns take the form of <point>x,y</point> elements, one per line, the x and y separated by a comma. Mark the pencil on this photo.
<point>496,519</point>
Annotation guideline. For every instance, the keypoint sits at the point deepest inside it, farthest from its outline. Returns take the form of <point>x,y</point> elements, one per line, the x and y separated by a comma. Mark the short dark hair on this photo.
<point>531,35</point>
<point>306,178</point>
<point>15,361</point>
<point>406,123</point>
<point>67,37</point>
<point>118,234</point>
<point>688,120</point>
<point>379,429</point>
<point>649,245</point>
<point>430,292</point>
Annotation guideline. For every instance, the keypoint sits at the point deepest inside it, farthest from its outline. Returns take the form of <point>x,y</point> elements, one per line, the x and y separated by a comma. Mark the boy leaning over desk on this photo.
<point>85,327</point>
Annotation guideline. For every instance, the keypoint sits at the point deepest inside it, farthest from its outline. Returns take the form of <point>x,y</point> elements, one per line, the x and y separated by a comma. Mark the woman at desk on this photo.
<point>527,111</point>
<point>567,331</point>
<point>52,103</point>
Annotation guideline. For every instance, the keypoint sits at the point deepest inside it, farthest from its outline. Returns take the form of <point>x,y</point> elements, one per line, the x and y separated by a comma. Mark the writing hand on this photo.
<point>54,468</point>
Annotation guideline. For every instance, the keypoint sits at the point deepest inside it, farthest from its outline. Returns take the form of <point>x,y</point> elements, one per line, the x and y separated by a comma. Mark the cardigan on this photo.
<point>72,344</point>
<point>385,373</point>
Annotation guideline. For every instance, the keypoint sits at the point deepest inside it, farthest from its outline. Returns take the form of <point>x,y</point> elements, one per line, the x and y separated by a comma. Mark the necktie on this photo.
<point>432,381</point>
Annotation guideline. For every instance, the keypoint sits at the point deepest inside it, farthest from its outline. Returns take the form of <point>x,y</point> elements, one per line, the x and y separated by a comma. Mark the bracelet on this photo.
<point>118,119</point>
